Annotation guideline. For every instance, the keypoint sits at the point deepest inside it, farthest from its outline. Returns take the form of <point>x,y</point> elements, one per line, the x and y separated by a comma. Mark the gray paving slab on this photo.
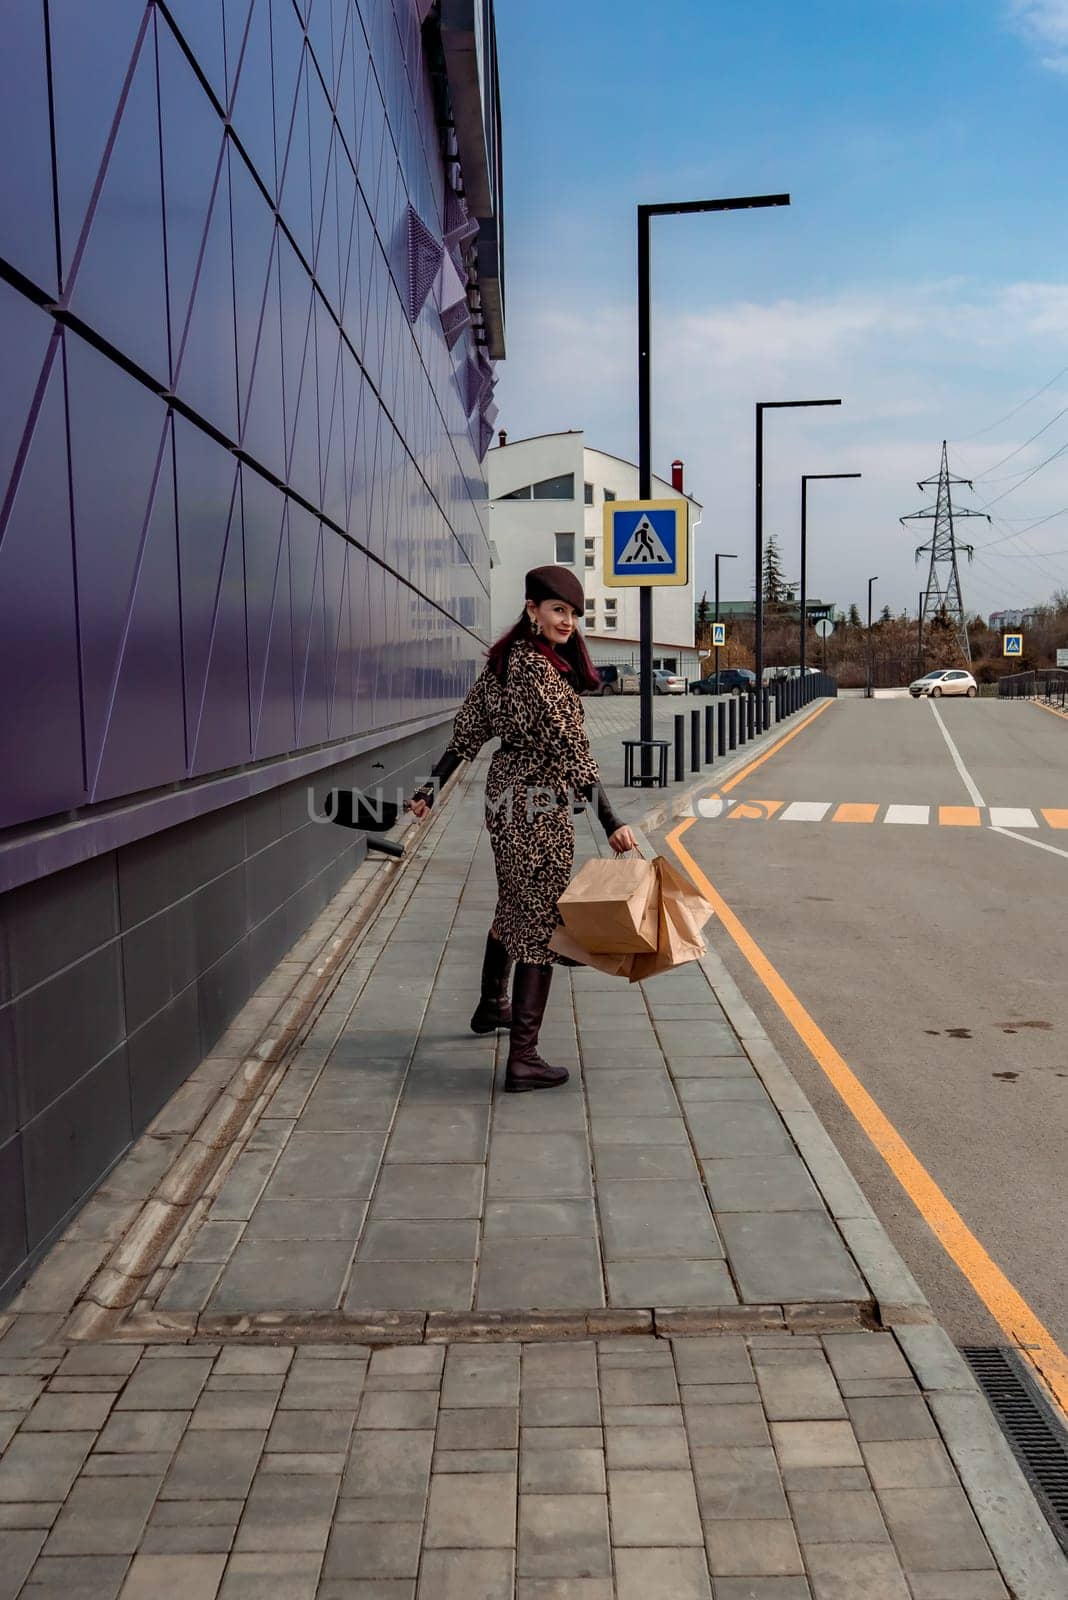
<point>555,1274</point>
<point>788,1256</point>
<point>302,1219</point>
<point>555,1167</point>
<point>411,1193</point>
<point>539,1219</point>
<point>76,1578</point>
<point>327,1166</point>
<point>675,1283</point>
<point>284,1275</point>
<point>411,1286</point>
<point>671,1220</point>
<point>758,1183</point>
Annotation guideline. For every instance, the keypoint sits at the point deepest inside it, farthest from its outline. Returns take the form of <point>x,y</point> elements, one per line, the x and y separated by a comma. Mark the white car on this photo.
<point>947,680</point>
<point>668,682</point>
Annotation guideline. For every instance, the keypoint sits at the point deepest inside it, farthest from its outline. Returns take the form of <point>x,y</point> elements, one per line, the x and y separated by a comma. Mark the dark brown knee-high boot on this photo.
<point>526,1069</point>
<point>493,1010</point>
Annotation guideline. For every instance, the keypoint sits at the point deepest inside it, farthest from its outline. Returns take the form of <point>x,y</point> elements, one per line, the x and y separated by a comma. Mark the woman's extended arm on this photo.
<point>470,731</point>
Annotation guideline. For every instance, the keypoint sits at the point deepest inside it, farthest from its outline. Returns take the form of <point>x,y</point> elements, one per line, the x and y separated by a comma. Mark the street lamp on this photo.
<point>645,465</point>
<point>871,686</point>
<point>721,555</point>
<point>758,609</point>
<point>806,479</point>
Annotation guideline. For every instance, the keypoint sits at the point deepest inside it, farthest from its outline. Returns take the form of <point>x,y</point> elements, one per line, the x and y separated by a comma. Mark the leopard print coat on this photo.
<point>544,761</point>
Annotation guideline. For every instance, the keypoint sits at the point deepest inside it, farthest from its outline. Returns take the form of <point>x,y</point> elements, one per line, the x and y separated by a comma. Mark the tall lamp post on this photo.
<point>721,555</point>
<point>871,680</point>
<point>758,610</point>
<point>806,479</point>
<point>645,465</point>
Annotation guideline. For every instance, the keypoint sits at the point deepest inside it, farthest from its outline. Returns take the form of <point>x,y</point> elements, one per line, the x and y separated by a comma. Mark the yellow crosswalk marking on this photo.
<point>855,813</point>
<point>958,816</point>
<point>756,810</point>
<point>1056,819</point>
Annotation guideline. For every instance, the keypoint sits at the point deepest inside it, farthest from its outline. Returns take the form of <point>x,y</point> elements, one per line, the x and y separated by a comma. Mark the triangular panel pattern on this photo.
<point>270,638</point>
<point>38,627</point>
<point>92,49</point>
<point>145,735</point>
<point>213,604</point>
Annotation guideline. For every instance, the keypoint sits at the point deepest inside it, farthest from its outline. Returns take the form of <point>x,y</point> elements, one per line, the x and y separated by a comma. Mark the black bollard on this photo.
<point>721,729</point>
<point>680,747</point>
<point>695,740</point>
<point>742,721</point>
<point>710,734</point>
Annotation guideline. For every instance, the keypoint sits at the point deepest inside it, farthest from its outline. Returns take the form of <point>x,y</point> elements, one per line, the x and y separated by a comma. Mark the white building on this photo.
<point>547,498</point>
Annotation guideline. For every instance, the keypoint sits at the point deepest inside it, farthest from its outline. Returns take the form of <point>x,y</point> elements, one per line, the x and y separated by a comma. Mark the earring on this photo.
<point>535,624</point>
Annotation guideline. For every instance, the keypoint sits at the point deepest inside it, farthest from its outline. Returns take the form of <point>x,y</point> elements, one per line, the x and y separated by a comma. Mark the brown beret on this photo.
<point>555,583</point>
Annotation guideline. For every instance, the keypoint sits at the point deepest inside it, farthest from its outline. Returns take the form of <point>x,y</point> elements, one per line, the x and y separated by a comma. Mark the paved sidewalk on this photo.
<point>767,1468</point>
<point>394,1175</point>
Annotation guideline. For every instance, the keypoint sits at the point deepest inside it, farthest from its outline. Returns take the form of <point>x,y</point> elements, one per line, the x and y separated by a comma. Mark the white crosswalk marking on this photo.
<point>1012,817</point>
<point>806,811</point>
<point>920,815</point>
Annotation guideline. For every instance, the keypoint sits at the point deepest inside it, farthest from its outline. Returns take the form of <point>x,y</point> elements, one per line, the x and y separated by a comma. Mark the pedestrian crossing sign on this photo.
<point>645,542</point>
<point>719,635</point>
<point>1012,644</point>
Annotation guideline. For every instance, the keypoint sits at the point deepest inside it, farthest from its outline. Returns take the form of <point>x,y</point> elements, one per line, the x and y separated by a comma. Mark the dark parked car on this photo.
<point>732,680</point>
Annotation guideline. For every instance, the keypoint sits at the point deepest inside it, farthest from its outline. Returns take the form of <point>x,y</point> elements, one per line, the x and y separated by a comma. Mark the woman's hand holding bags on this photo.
<point>632,924</point>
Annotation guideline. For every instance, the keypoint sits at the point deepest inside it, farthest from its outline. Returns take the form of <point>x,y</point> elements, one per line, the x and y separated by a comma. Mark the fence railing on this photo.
<point>1049,684</point>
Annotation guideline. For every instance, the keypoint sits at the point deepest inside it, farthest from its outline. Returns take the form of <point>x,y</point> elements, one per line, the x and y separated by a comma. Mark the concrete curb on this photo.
<point>447,1327</point>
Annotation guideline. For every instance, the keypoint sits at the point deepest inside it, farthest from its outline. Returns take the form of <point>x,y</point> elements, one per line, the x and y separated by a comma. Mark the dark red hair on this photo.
<point>572,657</point>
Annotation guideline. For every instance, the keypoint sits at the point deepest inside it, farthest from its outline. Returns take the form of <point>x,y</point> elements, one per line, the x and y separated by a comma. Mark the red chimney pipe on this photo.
<point>676,476</point>
<point>502,437</point>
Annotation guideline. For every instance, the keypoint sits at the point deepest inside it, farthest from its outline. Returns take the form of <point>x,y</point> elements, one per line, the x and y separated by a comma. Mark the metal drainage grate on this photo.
<point>1036,1435</point>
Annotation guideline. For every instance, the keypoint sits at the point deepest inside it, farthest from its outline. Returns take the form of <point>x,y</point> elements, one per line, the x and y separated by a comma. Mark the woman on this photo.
<point>528,697</point>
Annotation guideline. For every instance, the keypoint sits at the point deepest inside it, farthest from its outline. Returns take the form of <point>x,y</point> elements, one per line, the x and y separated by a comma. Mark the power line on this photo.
<point>1034,470</point>
<point>1010,414</point>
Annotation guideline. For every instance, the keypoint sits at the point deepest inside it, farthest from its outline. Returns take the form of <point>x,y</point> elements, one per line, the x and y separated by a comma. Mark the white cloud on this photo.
<point>1044,24</point>
<point>913,363</point>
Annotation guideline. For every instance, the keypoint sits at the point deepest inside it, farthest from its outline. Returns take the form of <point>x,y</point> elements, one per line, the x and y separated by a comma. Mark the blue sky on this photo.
<point>921,271</point>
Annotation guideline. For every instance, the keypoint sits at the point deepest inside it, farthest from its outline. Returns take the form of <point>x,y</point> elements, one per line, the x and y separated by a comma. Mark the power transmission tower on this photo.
<point>942,597</point>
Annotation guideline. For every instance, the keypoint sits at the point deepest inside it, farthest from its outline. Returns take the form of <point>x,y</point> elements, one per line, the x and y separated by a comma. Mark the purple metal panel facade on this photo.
<point>242,511</point>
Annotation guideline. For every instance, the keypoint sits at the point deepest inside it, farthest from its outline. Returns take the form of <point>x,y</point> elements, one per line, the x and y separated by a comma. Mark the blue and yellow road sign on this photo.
<point>719,635</point>
<point>1012,644</point>
<point>645,541</point>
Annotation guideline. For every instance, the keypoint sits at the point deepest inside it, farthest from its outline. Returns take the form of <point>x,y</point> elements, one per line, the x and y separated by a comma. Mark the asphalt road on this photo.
<point>935,959</point>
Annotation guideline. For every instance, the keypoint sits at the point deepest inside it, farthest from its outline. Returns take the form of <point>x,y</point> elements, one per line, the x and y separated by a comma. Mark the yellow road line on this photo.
<point>958,816</point>
<point>851,811</point>
<point>1056,819</point>
<point>1000,1297</point>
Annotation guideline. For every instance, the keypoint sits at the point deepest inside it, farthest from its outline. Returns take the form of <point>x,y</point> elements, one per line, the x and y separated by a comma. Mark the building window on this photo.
<point>518,494</point>
<point>610,494</point>
<point>562,488</point>
<point>610,605</point>
<point>587,489</point>
<point>565,549</point>
<point>609,620</point>
<point>591,557</point>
